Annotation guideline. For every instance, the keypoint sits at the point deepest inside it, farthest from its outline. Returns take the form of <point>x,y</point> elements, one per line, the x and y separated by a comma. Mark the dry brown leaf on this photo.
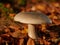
<point>21,42</point>
<point>30,42</point>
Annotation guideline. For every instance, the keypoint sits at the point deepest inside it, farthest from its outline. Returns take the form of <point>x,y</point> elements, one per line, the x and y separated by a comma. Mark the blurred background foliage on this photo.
<point>23,2</point>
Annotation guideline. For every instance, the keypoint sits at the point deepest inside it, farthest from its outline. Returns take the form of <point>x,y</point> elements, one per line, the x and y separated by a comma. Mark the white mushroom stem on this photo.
<point>6,43</point>
<point>31,31</point>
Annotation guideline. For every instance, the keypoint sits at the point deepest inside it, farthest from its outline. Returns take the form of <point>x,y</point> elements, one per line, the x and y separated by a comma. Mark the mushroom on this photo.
<point>32,18</point>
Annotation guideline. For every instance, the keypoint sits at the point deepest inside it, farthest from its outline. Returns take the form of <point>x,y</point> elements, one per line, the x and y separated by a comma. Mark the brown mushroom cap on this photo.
<point>32,18</point>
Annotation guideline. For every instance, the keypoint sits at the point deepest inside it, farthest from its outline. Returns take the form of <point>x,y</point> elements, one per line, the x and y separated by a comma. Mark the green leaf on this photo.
<point>22,2</point>
<point>5,9</point>
<point>1,5</point>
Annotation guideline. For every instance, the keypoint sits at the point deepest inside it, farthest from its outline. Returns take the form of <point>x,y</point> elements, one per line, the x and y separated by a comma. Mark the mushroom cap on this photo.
<point>32,18</point>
